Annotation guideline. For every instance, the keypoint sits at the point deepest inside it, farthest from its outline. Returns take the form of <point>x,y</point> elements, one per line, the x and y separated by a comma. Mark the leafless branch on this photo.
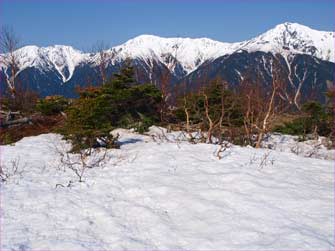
<point>13,169</point>
<point>222,148</point>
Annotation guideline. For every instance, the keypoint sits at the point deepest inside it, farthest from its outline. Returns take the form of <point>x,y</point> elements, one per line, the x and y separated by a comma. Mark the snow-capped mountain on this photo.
<point>190,53</point>
<point>62,58</point>
<point>152,55</point>
<point>295,38</point>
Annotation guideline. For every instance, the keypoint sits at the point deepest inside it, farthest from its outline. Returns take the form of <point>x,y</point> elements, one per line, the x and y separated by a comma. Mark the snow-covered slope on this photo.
<point>165,196</point>
<point>295,38</point>
<point>62,58</point>
<point>190,53</point>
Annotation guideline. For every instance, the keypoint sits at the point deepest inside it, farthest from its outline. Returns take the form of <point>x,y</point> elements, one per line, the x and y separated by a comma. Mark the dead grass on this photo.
<point>40,124</point>
<point>284,118</point>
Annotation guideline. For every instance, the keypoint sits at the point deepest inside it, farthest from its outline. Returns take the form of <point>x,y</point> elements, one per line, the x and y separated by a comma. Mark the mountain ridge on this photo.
<point>286,38</point>
<point>305,55</point>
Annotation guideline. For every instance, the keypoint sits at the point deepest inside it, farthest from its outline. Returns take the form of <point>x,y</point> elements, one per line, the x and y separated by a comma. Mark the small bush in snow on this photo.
<point>12,169</point>
<point>52,105</point>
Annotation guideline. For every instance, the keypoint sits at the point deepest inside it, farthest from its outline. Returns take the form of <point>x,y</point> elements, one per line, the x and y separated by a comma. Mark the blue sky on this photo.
<point>81,23</point>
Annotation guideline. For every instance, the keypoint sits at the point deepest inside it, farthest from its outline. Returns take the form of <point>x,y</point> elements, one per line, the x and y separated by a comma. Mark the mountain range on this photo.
<point>306,55</point>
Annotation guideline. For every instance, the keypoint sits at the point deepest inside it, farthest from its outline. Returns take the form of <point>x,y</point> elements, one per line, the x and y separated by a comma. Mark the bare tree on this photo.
<point>215,123</point>
<point>263,104</point>
<point>80,162</point>
<point>223,87</point>
<point>182,100</point>
<point>20,97</point>
<point>101,48</point>
<point>9,43</point>
<point>208,117</point>
<point>187,114</point>
<point>171,62</point>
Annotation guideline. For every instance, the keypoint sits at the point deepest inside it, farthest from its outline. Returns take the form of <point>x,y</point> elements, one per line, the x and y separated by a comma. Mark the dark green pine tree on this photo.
<point>125,78</point>
<point>121,102</point>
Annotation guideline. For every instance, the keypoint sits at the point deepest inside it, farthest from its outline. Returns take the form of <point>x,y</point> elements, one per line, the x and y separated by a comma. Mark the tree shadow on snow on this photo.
<point>129,141</point>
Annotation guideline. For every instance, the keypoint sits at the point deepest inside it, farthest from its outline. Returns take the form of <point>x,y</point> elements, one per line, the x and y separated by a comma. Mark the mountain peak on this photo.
<point>296,26</point>
<point>295,38</point>
<point>291,24</point>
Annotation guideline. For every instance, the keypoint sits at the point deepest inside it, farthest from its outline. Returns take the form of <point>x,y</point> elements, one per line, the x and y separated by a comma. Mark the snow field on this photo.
<point>163,195</point>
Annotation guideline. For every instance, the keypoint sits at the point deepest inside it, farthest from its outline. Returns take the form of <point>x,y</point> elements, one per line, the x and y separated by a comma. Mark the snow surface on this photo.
<point>310,148</point>
<point>158,192</point>
<point>286,38</point>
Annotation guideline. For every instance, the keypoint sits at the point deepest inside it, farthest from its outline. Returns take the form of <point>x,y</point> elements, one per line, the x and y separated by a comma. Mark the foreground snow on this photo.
<point>309,148</point>
<point>152,194</point>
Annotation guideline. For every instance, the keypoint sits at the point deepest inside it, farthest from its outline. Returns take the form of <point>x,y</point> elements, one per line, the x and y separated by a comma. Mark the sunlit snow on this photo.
<point>161,193</point>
